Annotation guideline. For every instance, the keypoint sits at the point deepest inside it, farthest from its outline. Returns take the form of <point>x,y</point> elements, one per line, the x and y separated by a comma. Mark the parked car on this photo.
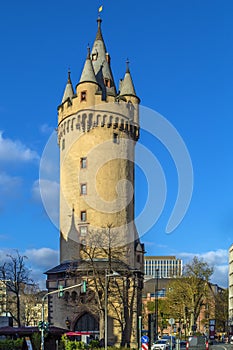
<point>182,344</point>
<point>161,344</point>
<point>197,342</point>
<point>170,338</point>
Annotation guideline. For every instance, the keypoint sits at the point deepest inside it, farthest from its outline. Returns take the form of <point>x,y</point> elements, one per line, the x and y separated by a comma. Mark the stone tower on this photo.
<point>98,128</point>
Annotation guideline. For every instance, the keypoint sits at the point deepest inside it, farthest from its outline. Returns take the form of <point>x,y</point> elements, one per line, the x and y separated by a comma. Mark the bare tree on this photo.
<point>14,275</point>
<point>103,255</point>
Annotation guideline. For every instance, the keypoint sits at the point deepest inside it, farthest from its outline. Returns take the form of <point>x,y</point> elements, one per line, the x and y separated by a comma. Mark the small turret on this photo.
<point>88,74</point>
<point>69,92</point>
<point>126,85</point>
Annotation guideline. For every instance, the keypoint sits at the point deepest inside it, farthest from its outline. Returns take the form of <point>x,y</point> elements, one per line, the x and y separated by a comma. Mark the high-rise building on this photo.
<point>98,128</point>
<point>162,267</point>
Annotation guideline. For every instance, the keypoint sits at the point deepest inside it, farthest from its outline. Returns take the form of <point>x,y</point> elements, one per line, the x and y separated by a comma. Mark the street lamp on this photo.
<point>114,274</point>
<point>67,322</point>
<point>156,304</point>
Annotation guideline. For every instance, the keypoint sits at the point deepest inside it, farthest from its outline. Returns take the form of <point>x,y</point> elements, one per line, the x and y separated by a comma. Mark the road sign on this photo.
<point>144,346</point>
<point>145,339</point>
<point>171,321</point>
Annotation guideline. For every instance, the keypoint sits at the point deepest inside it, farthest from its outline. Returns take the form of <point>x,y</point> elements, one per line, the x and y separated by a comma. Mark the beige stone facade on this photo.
<point>97,132</point>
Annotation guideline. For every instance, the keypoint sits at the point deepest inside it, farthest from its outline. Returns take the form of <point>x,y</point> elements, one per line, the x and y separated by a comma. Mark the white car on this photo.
<point>161,344</point>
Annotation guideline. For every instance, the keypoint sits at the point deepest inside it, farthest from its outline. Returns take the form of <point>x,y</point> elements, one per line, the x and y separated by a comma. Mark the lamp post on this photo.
<point>114,274</point>
<point>156,304</point>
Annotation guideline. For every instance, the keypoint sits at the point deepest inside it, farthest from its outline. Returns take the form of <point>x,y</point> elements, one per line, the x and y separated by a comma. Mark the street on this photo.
<point>221,346</point>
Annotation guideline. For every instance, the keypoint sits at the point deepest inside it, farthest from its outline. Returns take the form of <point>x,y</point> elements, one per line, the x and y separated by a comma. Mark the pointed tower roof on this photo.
<point>73,232</point>
<point>69,92</point>
<point>88,74</point>
<point>127,86</point>
<point>101,63</point>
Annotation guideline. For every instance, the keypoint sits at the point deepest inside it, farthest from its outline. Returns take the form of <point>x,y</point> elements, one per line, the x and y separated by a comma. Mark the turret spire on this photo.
<point>88,74</point>
<point>101,64</point>
<point>69,92</point>
<point>99,35</point>
<point>127,86</point>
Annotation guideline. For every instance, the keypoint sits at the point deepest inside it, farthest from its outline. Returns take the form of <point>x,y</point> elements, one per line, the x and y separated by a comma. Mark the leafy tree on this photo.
<point>15,275</point>
<point>188,294</point>
<point>221,311</point>
<point>163,312</point>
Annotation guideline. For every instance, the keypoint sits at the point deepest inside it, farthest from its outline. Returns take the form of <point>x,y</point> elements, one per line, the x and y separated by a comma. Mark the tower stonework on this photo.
<point>98,128</point>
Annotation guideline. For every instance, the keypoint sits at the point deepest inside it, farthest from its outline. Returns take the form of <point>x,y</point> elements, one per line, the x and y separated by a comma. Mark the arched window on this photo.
<point>87,322</point>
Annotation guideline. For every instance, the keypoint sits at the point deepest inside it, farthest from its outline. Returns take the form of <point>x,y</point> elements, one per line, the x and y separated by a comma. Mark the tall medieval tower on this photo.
<point>98,128</point>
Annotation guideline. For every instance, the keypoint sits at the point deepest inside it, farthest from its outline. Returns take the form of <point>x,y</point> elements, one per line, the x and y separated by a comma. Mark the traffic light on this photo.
<point>41,325</point>
<point>60,292</point>
<point>46,326</point>
<point>84,287</point>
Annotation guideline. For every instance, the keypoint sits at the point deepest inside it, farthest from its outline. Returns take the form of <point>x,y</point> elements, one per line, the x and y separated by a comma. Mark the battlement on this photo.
<point>122,117</point>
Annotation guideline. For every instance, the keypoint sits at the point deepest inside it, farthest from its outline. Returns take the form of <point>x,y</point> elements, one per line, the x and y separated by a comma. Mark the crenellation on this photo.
<point>87,120</point>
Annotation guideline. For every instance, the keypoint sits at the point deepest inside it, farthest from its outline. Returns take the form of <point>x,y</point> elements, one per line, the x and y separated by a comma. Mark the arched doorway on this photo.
<point>87,323</point>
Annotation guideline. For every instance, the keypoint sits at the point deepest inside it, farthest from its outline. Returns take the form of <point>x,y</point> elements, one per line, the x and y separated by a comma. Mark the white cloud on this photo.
<point>42,257</point>
<point>48,192</point>
<point>9,184</point>
<point>39,261</point>
<point>217,259</point>
<point>15,151</point>
<point>46,129</point>
<point>8,181</point>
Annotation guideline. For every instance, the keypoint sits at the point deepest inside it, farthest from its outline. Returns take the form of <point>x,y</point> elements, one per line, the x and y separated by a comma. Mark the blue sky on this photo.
<point>180,56</point>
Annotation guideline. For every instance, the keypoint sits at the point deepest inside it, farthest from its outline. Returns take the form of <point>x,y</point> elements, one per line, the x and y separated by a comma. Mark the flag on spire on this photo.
<point>100,8</point>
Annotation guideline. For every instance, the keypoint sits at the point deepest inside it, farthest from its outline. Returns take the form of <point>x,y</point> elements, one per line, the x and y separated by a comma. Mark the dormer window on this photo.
<point>107,82</point>
<point>83,95</point>
<point>94,56</point>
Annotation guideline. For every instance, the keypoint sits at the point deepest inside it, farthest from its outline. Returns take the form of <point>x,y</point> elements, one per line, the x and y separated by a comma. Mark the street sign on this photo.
<point>171,321</point>
<point>145,346</point>
<point>145,339</point>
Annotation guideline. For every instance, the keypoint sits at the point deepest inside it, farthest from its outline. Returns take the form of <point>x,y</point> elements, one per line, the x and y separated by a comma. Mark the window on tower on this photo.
<point>83,189</point>
<point>83,95</point>
<point>94,56</point>
<point>83,230</point>
<point>83,162</point>
<point>83,216</point>
<point>107,82</point>
<point>115,138</point>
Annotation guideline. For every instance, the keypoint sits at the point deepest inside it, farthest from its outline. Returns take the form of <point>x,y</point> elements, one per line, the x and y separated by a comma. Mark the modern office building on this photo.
<point>162,266</point>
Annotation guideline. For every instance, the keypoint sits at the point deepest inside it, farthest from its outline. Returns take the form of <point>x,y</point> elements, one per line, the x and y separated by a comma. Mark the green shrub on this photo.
<point>9,344</point>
